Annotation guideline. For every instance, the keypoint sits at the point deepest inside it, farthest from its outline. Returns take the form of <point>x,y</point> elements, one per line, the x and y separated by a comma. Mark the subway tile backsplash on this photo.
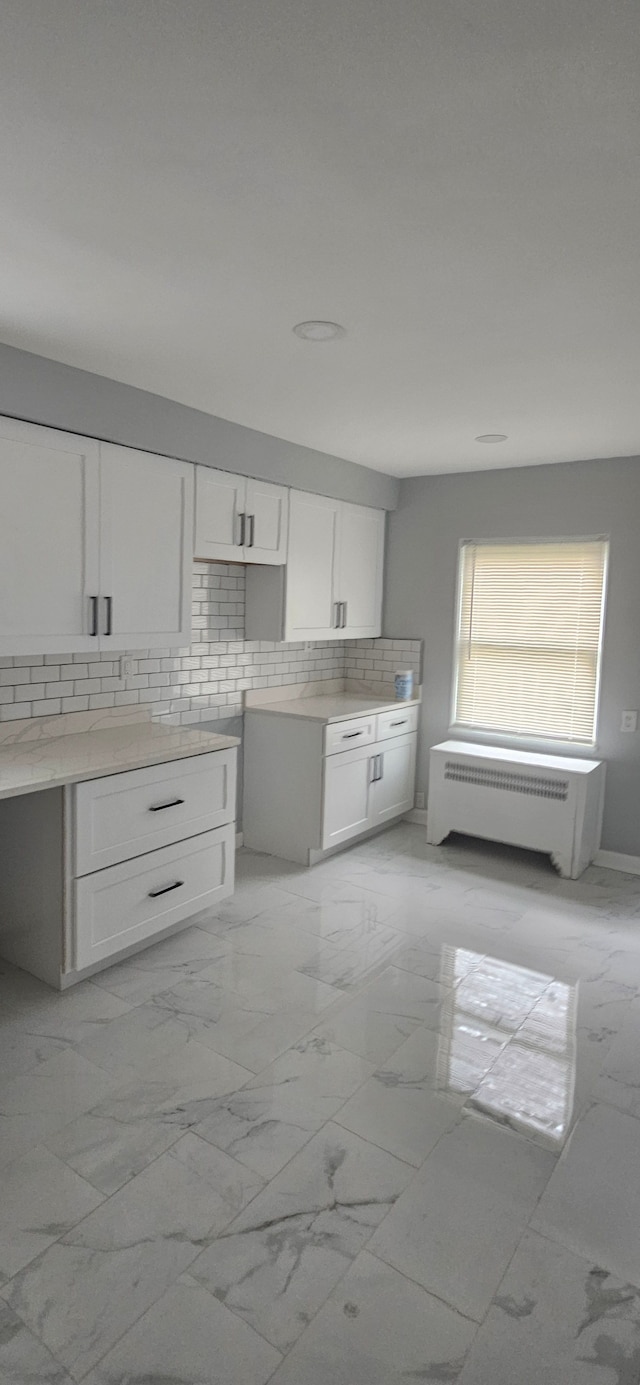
<point>204,682</point>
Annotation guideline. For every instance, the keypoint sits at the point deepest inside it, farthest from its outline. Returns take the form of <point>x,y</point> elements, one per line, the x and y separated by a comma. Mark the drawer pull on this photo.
<point>350,735</point>
<point>153,894</point>
<point>399,723</point>
<point>160,807</point>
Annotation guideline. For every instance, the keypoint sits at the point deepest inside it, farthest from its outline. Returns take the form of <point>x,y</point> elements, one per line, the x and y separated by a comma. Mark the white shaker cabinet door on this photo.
<point>49,534</point>
<point>311,597</point>
<point>360,567</point>
<point>395,774</point>
<point>347,796</point>
<point>220,515</point>
<point>146,519</point>
<point>267,522</point>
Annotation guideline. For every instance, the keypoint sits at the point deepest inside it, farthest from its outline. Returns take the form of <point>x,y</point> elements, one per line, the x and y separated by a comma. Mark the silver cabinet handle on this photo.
<point>243,524</point>
<point>153,894</point>
<point>108,609</point>
<point>344,614</point>
<point>93,602</point>
<point>399,723</point>
<point>160,807</point>
<point>372,776</point>
<point>336,615</point>
<point>381,774</point>
<point>349,735</point>
<point>251,522</point>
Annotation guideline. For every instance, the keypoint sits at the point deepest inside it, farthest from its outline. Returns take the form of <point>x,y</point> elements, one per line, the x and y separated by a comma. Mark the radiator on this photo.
<point>550,803</point>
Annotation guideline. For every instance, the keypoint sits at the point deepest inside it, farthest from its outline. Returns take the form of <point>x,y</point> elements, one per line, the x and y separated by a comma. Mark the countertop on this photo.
<point>330,707</point>
<point>29,761</point>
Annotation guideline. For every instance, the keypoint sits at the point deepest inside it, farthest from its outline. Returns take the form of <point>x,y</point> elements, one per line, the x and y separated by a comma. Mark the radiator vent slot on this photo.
<point>533,784</point>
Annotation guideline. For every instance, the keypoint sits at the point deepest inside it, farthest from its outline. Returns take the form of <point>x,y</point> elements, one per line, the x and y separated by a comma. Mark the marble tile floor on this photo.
<point>368,1124</point>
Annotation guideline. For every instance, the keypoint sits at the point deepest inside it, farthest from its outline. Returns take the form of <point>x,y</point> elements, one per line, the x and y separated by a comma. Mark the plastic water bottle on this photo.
<point>404,685</point>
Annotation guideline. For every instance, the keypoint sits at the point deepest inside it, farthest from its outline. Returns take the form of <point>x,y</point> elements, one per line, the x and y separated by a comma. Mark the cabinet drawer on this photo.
<point>349,735</point>
<point>400,721</point>
<point>129,903</point>
<point>124,815</point>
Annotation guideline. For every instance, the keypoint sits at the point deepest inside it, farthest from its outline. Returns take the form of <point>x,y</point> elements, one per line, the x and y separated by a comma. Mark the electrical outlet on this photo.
<point>629,721</point>
<point>126,666</point>
<point>419,800</point>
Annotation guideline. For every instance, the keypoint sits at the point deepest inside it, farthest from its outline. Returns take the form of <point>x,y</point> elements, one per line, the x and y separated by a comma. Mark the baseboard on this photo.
<point>239,839</point>
<point>417,815</point>
<point>616,860</point>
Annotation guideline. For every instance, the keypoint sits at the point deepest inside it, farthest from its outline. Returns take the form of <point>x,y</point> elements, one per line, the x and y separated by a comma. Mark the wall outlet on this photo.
<point>126,666</point>
<point>419,800</point>
<point>629,721</point>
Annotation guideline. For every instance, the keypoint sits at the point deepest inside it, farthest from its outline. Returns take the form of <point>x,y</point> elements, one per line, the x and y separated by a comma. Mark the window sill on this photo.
<point>504,741</point>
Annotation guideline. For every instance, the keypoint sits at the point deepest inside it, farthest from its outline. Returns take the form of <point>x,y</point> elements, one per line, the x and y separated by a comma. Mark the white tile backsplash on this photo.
<point>206,680</point>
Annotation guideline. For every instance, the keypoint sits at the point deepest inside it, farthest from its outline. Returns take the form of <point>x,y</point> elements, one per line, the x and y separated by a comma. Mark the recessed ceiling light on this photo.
<point>319,331</point>
<point>492,437</point>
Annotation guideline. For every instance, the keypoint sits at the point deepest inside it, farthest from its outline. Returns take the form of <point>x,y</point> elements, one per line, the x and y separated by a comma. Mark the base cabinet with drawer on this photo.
<point>310,787</point>
<point>96,870</point>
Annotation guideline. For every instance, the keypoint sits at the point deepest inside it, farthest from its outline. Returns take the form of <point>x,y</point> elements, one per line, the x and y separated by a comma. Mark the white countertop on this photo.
<point>329,707</point>
<point>31,761</point>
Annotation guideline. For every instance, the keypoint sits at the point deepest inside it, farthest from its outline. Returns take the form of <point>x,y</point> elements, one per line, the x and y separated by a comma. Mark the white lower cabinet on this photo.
<point>347,795</point>
<point>124,815</point>
<point>392,791</point>
<point>148,848</point>
<point>368,787</point>
<point>309,787</point>
<point>96,870</point>
<point>129,903</point>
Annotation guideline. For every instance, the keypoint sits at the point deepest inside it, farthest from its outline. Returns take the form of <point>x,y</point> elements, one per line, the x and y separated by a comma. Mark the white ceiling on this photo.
<point>456,181</point>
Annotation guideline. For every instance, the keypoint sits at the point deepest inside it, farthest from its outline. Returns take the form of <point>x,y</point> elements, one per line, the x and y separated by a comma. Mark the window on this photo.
<point>528,639</point>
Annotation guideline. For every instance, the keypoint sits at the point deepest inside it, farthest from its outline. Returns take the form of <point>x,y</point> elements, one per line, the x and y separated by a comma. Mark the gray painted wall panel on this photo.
<point>60,396</point>
<point>572,499</point>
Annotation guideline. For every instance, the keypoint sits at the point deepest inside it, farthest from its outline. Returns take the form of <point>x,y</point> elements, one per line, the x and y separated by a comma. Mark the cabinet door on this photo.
<point>311,612</point>
<point>220,501</point>
<point>347,796</point>
<point>49,519</point>
<point>393,791</point>
<point>146,519</point>
<point>360,565</point>
<point>267,511</point>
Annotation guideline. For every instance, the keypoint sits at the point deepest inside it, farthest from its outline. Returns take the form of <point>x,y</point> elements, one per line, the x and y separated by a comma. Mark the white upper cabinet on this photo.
<point>49,533</point>
<point>240,520</point>
<point>146,518</point>
<point>331,588</point>
<point>95,545</point>
<point>360,567</point>
<point>311,580</point>
<point>267,522</point>
<point>219,507</point>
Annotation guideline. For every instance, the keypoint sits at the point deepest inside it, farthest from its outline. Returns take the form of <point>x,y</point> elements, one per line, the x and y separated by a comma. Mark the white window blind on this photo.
<point>529,636</point>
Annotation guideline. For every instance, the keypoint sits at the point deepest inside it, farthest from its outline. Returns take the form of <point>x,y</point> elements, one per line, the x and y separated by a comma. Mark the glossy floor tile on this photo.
<point>371,1123</point>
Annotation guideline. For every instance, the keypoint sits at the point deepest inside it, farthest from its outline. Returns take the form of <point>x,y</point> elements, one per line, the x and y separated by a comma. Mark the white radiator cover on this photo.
<point>551,803</point>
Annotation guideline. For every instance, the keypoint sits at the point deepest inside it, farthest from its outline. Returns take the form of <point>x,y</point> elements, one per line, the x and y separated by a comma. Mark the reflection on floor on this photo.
<point>508,1042</point>
<point>372,1123</point>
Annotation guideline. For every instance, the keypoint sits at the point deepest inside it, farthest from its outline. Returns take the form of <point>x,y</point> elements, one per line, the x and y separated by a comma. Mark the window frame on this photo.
<point>512,739</point>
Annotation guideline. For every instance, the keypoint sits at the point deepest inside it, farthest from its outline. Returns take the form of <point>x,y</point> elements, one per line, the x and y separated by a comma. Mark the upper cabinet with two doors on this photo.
<point>239,520</point>
<point>331,588</point>
<point>95,544</point>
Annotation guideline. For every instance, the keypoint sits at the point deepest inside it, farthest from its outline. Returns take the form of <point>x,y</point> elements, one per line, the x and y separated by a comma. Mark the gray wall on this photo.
<point>572,499</point>
<point>60,396</point>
